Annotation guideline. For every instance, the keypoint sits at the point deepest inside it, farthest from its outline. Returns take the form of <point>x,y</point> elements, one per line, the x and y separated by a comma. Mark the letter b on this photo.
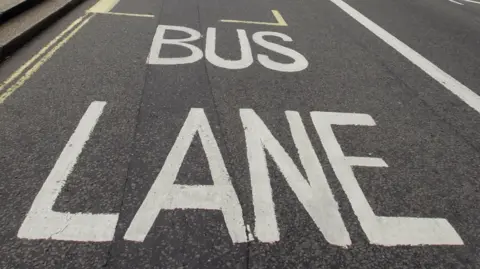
<point>159,40</point>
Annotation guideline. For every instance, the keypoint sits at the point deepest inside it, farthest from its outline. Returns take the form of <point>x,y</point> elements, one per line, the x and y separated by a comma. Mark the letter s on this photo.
<point>299,63</point>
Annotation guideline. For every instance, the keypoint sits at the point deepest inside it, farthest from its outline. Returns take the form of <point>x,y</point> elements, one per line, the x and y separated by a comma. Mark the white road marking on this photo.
<point>453,1</point>
<point>314,193</point>
<point>250,236</point>
<point>472,1</point>
<point>453,85</point>
<point>164,194</point>
<point>159,40</point>
<point>246,58</point>
<point>125,14</point>
<point>299,61</point>
<point>42,222</point>
<point>387,231</point>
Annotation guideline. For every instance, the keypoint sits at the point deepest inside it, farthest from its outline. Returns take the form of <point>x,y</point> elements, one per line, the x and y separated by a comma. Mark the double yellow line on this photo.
<point>26,71</point>
<point>20,76</point>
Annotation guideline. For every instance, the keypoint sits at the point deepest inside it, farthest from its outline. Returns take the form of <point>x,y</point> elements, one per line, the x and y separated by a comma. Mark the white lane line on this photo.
<point>453,85</point>
<point>472,1</point>
<point>453,1</point>
<point>125,14</point>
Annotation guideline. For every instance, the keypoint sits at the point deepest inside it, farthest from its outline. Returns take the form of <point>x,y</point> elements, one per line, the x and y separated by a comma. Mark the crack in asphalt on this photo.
<point>222,136</point>
<point>129,166</point>
<point>69,218</point>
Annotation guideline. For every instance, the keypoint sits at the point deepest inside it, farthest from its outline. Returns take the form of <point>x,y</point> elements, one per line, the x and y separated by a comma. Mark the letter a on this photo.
<point>164,194</point>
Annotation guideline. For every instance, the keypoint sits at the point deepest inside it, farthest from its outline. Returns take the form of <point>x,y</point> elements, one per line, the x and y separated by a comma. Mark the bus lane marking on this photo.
<point>278,17</point>
<point>246,59</point>
<point>312,191</point>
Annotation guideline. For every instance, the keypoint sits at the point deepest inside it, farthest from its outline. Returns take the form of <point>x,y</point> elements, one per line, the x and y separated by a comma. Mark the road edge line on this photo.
<point>454,86</point>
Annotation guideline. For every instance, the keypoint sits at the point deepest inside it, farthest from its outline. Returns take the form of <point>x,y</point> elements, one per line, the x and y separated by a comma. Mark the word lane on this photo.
<point>313,192</point>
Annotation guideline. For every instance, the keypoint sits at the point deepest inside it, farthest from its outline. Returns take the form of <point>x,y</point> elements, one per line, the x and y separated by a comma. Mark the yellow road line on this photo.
<point>42,60</point>
<point>20,70</point>
<point>279,18</point>
<point>276,14</point>
<point>125,14</point>
<point>103,6</point>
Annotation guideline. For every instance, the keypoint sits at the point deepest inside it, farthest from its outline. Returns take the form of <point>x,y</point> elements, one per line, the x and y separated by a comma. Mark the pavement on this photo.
<point>22,20</point>
<point>335,134</point>
<point>10,5</point>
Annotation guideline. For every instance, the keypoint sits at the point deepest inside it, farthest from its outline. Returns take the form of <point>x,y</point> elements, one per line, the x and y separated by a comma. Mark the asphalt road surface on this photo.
<point>244,134</point>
